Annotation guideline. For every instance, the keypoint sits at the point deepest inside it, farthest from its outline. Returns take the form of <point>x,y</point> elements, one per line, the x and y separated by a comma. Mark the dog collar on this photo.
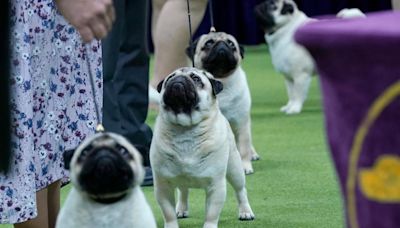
<point>271,32</point>
<point>108,200</point>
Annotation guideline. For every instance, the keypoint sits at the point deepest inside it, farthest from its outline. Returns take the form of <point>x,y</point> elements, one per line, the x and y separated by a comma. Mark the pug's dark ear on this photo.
<point>241,48</point>
<point>68,157</point>
<point>217,86</point>
<point>287,9</point>
<point>190,51</point>
<point>159,86</point>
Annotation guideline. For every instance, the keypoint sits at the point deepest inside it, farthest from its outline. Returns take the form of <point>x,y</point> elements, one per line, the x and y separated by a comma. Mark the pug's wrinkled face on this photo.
<point>273,14</point>
<point>104,166</point>
<point>188,95</point>
<point>217,52</point>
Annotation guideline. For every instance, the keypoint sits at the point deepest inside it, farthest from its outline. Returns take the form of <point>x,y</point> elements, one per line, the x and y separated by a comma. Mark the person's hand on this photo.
<point>92,18</point>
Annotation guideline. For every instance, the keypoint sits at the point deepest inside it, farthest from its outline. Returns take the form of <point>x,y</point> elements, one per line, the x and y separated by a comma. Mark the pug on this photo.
<point>220,54</point>
<point>106,171</point>
<point>280,19</point>
<point>193,147</point>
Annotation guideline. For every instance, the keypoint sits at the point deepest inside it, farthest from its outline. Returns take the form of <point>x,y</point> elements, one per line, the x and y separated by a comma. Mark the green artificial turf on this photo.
<point>294,184</point>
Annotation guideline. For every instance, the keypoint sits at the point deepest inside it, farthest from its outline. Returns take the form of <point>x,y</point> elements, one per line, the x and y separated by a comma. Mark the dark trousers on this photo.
<point>126,75</point>
<point>4,90</point>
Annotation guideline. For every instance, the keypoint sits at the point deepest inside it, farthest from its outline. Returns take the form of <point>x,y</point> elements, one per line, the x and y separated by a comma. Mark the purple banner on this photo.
<point>358,62</point>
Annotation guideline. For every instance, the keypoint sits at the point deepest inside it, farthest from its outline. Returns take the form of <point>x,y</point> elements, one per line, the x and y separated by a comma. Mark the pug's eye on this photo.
<point>86,150</point>
<point>168,78</point>
<point>231,44</point>
<point>84,153</point>
<point>124,152</point>
<point>197,80</point>
<point>209,43</point>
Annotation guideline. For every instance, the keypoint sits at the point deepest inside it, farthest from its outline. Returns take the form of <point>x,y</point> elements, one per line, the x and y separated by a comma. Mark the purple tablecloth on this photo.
<point>359,65</point>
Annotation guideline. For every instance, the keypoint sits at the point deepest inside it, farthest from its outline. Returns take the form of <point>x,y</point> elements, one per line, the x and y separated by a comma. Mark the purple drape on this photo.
<point>359,70</point>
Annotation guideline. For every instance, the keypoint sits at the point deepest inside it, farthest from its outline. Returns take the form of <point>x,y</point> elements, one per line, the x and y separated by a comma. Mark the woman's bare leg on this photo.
<point>171,34</point>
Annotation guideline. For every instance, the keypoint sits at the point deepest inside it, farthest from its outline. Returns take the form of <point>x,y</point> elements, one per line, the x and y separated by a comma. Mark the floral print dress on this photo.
<point>51,102</point>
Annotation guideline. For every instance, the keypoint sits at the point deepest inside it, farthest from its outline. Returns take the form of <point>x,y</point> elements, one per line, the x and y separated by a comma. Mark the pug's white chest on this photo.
<point>281,52</point>
<point>189,159</point>
<point>234,100</point>
<point>193,158</point>
<point>288,56</point>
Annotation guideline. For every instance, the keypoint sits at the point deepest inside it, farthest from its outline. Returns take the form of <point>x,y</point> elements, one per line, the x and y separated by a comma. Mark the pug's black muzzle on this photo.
<point>263,13</point>
<point>105,171</point>
<point>180,95</point>
<point>220,60</point>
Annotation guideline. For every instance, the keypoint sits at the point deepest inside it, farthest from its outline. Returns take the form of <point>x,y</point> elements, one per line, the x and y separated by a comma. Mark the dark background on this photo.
<point>236,16</point>
<point>4,96</point>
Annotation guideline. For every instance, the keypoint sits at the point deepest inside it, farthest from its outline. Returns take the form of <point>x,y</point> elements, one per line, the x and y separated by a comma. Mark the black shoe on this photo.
<point>148,177</point>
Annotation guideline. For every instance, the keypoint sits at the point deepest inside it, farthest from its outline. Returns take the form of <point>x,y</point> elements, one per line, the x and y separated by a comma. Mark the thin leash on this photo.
<point>99,126</point>
<point>212,29</point>
<point>211,12</point>
<point>190,31</point>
